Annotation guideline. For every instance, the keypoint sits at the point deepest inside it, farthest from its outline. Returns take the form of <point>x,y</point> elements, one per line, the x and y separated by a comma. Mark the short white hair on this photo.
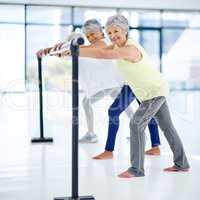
<point>118,20</point>
<point>91,25</point>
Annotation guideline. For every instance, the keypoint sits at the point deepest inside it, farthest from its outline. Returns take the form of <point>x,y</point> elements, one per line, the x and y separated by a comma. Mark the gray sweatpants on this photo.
<point>157,108</point>
<point>87,105</point>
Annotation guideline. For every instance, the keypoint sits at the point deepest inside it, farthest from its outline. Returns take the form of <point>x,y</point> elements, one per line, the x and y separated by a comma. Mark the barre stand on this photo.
<point>41,139</point>
<point>74,47</point>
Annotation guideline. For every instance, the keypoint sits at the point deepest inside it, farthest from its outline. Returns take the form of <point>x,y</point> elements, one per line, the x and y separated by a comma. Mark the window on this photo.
<point>180,19</point>
<point>12,48</point>
<point>55,70</point>
<point>181,58</point>
<point>46,26</point>
<point>175,33</point>
<point>83,14</point>
<point>12,14</point>
<point>48,15</point>
<point>142,18</point>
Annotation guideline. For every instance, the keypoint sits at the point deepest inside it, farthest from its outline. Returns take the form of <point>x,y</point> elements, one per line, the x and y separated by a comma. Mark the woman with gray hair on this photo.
<point>94,33</point>
<point>149,87</point>
<point>96,83</point>
<point>104,85</point>
<point>106,80</point>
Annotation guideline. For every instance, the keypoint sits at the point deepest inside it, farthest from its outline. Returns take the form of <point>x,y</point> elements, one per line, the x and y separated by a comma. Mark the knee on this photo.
<point>111,112</point>
<point>85,102</point>
<point>135,123</point>
<point>165,127</point>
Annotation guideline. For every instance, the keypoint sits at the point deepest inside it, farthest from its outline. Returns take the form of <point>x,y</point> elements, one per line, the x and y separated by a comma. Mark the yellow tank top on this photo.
<point>145,81</point>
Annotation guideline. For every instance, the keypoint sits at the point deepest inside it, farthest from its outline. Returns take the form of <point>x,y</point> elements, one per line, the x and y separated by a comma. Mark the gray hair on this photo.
<point>118,20</point>
<point>91,25</point>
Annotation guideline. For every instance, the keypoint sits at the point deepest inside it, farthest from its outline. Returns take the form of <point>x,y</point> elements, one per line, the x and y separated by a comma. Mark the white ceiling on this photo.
<point>149,4</point>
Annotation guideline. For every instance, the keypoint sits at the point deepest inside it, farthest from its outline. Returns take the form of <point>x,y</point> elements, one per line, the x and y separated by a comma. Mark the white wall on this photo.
<point>149,4</point>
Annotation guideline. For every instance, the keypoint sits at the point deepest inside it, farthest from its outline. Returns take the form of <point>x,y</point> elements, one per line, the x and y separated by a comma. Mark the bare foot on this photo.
<point>175,169</point>
<point>154,151</point>
<point>105,155</point>
<point>126,174</point>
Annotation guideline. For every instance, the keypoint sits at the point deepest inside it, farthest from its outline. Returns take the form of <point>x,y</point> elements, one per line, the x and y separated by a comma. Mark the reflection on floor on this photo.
<point>42,172</point>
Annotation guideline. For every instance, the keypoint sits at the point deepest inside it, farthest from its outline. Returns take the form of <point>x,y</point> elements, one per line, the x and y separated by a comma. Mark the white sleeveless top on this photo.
<point>96,75</point>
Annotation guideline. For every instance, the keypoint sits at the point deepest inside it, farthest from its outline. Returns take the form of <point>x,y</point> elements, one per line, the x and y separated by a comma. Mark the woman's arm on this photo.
<point>85,46</point>
<point>128,52</point>
<point>98,44</point>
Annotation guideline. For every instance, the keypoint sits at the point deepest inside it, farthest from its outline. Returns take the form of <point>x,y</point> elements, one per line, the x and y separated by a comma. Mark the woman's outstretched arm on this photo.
<point>128,52</point>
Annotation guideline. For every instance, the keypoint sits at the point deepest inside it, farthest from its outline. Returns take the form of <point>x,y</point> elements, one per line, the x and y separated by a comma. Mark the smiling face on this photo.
<point>117,35</point>
<point>94,36</point>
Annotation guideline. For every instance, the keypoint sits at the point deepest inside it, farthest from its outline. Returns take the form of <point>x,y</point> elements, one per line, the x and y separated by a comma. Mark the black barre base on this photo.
<point>41,140</point>
<point>79,198</point>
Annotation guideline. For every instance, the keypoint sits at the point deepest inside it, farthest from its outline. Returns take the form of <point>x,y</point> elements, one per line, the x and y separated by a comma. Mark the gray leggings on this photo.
<point>157,108</point>
<point>87,105</point>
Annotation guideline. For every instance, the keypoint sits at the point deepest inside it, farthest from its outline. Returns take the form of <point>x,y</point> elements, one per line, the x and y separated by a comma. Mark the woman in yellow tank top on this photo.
<point>149,87</point>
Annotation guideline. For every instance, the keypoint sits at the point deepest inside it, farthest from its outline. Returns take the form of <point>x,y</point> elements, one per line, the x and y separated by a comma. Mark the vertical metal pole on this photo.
<point>41,138</point>
<point>40,97</point>
<point>75,117</point>
<point>75,126</point>
<point>161,48</point>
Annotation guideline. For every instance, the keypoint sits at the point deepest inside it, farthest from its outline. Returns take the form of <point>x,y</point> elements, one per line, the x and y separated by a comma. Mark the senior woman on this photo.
<point>102,80</point>
<point>149,87</point>
<point>94,33</point>
<point>97,80</point>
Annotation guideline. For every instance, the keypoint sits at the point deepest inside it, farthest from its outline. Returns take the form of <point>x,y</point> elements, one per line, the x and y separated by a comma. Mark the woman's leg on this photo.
<point>87,107</point>
<point>164,120</point>
<point>129,111</point>
<point>154,135</point>
<point>138,123</point>
<point>90,136</point>
<point>155,107</point>
<point>153,129</point>
<point>122,101</point>
<point>155,139</point>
